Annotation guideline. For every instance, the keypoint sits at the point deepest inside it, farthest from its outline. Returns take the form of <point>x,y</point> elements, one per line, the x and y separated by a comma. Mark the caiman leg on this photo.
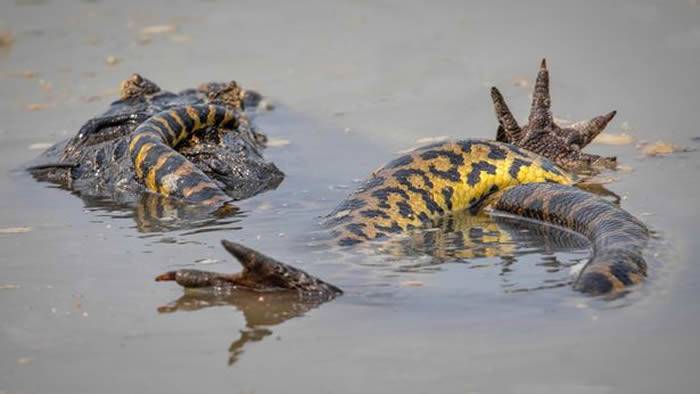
<point>260,273</point>
<point>543,136</point>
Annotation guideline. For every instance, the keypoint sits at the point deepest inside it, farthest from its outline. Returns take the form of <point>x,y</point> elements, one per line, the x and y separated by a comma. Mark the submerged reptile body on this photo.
<point>427,198</point>
<point>420,190</point>
<point>525,177</point>
<point>414,190</point>
<point>617,237</point>
<point>220,144</point>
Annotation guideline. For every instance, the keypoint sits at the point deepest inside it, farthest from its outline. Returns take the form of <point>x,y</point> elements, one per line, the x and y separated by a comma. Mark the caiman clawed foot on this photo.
<point>260,273</point>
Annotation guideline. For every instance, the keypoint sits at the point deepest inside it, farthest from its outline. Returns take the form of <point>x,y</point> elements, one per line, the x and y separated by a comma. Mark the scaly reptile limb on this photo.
<point>260,273</point>
<point>543,136</point>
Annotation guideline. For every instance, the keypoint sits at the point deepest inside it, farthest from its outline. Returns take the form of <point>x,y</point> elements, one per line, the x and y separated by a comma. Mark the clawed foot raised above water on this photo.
<point>260,273</point>
<point>543,136</point>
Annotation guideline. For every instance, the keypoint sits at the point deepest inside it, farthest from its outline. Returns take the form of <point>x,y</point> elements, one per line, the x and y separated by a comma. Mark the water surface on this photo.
<point>355,83</point>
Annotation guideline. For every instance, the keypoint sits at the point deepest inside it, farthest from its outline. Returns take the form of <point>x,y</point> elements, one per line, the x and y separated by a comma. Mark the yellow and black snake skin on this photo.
<point>414,190</point>
<point>618,238</point>
<point>165,171</point>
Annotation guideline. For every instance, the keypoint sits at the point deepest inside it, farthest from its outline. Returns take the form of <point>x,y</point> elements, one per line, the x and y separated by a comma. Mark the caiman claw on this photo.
<point>542,135</point>
<point>260,273</point>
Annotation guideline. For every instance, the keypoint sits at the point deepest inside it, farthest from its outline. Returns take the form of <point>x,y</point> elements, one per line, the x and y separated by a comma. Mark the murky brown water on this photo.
<point>355,82</point>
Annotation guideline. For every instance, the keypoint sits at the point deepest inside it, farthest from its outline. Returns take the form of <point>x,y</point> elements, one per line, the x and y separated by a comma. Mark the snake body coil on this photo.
<point>618,238</point>
<point>415,189</point>
<point>418,188</point>
<point>161,168</point>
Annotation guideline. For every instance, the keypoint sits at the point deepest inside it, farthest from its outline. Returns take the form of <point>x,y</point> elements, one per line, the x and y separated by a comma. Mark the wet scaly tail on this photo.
<point>617,237</point>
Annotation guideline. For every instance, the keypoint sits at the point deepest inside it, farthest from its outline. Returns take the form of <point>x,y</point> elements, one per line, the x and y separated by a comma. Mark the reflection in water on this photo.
<point>594,186</point>
<point>465,236</point>
<point>458,238</point>
<point>529,255</point>
<point>461,238</point>
<point>154,213</point>
<point>260,310</point>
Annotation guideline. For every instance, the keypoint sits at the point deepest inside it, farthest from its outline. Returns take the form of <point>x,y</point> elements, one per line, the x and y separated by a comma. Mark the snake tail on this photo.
<point>617,237</point>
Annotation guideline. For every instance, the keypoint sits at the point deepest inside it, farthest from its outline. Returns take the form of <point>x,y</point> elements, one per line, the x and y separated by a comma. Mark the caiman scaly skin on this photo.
<point>544,137</point>
<point>525,177</point>
<point>260,273</point>
<point>214,140</point>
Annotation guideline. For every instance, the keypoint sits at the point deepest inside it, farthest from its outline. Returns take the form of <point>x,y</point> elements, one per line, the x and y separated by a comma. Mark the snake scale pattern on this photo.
<point>528,171</point>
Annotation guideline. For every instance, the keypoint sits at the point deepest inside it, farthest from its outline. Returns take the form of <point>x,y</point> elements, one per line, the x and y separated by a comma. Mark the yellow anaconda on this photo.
<point>165,171</point>
<point>416,189</point>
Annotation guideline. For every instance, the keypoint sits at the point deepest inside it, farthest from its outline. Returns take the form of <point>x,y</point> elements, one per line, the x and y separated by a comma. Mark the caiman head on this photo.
<point>232,158</point>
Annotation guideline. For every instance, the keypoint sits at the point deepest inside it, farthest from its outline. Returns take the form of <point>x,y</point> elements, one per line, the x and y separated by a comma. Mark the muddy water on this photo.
<point>355,83</point>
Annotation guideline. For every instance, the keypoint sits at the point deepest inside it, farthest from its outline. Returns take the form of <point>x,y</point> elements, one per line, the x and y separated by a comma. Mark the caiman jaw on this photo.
<point>260,273</point>
<point>543,136</point>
